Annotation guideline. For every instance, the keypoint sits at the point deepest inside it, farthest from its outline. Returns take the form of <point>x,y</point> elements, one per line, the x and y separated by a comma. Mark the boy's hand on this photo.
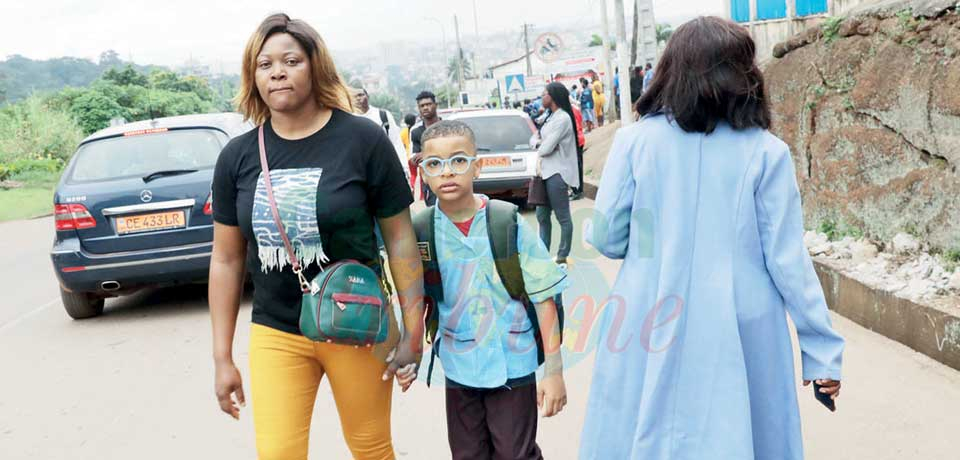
<point>405,358</point>
<point>406,376</point>
<point>551,395</point>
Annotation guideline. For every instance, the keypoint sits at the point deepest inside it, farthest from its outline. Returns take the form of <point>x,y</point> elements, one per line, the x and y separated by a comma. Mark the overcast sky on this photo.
<point>168,32</point>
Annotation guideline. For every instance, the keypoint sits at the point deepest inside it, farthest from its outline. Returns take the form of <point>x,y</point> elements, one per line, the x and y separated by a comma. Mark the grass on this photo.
<point>34,199</point>
<point>836,231</point>
<point>951,259</point>
<point>24,203</point>
<point>831,28</point>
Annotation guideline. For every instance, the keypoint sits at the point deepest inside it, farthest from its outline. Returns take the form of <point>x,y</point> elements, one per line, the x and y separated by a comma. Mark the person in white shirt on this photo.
<point>384,119</point>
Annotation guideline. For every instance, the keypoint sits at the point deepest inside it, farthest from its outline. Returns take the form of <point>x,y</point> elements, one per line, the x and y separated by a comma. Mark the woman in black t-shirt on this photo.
<point>333,174</point>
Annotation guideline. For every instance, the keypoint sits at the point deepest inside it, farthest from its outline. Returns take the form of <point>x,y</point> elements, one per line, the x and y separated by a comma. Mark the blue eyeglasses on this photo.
<point>459,164</point>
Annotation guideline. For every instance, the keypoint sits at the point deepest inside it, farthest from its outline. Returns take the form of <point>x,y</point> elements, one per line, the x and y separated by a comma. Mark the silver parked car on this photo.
<point>505,144</point>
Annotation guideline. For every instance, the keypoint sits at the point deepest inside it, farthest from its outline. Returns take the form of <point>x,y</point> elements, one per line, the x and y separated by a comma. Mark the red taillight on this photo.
<point>208,205</point>
<point>73,217</point>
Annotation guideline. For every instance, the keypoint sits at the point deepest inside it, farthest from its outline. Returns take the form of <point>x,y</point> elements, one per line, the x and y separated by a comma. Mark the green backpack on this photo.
<point>502,230</point>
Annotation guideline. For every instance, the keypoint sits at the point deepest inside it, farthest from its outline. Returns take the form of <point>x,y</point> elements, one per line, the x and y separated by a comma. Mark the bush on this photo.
<point>33,130</point>
<point>31,171</point>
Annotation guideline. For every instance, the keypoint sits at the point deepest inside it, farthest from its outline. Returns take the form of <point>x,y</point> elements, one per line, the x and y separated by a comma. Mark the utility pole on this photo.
<point>605,42</point>
<point>476,48</point>
<point>526,47</point>
<point>446,60</point>
<point>623,56</point>
<point>456,28</point>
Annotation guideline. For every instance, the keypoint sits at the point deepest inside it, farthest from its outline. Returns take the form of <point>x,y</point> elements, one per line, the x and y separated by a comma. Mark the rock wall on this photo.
<point>870,104</point>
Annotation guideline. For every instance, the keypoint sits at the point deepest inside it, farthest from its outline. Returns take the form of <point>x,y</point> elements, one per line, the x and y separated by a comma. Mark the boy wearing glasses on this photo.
<point>489,343</point>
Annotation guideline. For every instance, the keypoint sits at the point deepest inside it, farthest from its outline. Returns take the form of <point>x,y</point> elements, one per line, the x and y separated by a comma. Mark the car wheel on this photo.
<point>80,305</point>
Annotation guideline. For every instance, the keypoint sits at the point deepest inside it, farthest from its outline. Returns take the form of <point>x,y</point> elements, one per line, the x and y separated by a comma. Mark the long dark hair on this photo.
<point>561,97</point>
<point>708,74</point>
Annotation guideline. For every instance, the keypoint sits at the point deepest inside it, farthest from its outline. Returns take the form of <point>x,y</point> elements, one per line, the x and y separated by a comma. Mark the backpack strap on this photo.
<point>503,231</point>
<point>384,121</point>
<point>424,225</point>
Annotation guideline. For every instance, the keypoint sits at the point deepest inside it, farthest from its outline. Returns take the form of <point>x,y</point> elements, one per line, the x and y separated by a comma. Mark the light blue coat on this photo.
<point>695,360</point>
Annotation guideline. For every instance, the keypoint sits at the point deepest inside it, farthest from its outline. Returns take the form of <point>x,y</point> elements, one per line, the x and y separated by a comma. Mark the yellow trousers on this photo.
<point>286,370</point>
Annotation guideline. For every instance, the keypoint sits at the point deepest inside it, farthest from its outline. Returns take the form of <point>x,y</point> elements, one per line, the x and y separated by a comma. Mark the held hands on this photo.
<point>404,362</point>
<point>551,395</point>
<point>227,382</point>
<point>828,387</point>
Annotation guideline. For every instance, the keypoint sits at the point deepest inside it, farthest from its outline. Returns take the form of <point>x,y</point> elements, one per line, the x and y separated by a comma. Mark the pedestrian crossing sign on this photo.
<point>515,83</point>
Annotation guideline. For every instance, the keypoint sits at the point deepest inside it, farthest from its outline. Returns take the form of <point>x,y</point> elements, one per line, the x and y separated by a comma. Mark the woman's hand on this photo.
<point>827,387</point>
<point>227,382</point>
<point>552,395</point>
<point>404,362</point>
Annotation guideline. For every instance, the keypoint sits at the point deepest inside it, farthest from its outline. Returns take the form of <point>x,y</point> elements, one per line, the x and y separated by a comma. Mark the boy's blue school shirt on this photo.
<point>485,337</point>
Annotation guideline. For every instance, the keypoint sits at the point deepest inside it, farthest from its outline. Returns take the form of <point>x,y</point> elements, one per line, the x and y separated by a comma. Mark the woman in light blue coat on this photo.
<point>701,201</point>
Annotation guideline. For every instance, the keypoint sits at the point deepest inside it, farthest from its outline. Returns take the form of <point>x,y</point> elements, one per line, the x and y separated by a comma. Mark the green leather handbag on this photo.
<point>345,304</point>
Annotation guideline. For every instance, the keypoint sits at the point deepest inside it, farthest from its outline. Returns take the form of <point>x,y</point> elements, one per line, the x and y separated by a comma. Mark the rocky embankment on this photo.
<point>870,104</point>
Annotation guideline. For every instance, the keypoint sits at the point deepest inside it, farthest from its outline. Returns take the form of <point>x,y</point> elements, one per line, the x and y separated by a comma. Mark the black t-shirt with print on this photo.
<point>329,188</point>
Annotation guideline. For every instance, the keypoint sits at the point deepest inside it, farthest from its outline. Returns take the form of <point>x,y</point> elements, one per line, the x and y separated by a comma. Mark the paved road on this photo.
<point>137,382</point>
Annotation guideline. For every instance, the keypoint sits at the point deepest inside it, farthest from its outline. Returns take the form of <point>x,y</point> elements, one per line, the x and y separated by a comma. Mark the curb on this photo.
<point>927,330</point>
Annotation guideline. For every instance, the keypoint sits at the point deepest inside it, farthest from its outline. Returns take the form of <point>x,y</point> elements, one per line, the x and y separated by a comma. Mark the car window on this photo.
<point>502,133</point>
<point>138,156</point>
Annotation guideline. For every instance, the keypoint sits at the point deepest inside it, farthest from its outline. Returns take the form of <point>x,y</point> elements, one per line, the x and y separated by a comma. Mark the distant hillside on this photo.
<point>21,76</point>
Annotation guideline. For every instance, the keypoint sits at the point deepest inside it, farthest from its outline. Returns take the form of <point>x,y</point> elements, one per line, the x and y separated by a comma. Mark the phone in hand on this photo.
<point>824,398</point>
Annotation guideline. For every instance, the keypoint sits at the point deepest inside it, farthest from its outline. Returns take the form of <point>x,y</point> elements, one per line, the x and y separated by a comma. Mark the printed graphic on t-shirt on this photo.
<point>295,191</point>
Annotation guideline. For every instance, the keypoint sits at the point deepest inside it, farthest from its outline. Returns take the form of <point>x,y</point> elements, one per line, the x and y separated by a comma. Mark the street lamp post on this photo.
<point>446,60</point>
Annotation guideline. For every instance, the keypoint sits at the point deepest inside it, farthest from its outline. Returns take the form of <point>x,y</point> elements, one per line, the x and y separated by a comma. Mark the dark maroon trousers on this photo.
<point>493,424</point>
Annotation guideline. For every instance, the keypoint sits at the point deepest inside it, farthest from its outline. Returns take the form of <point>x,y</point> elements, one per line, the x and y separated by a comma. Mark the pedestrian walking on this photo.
<point>558,167</point>
<point>599,98</point>
<point>300,193</point>
<point>587,107</point>
<point>701,202</point>
<point>382,118</point>
<point>492,393</point>
<point>427,105</point>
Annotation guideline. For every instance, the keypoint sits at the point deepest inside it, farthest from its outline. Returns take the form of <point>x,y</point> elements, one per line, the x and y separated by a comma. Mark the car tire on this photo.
<point>81,305</point>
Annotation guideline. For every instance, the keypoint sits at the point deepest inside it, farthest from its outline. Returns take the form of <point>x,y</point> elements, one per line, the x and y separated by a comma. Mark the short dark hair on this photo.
<point>448,128</point>
<point>426,95</point>
<point>649,66</point>
<point>410,119</point>
<point>709,74</point>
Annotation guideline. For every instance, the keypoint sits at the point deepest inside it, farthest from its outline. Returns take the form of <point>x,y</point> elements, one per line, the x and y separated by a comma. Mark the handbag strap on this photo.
<point>304,285</point>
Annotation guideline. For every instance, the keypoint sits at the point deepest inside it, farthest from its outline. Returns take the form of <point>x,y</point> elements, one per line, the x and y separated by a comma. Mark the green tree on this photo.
<point>664,32</point>
<point>596,40</point>
<point>127,76</point>
<point>447,96</point>
<point>110,58</point>
<point>453,71</point>
<point>93,110</point>
<point>34,130</point>
<point>389,103</point>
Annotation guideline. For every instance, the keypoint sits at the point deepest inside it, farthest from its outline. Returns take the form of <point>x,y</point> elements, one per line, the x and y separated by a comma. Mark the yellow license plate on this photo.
<point>151,222</point>
<point>496,162</point>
